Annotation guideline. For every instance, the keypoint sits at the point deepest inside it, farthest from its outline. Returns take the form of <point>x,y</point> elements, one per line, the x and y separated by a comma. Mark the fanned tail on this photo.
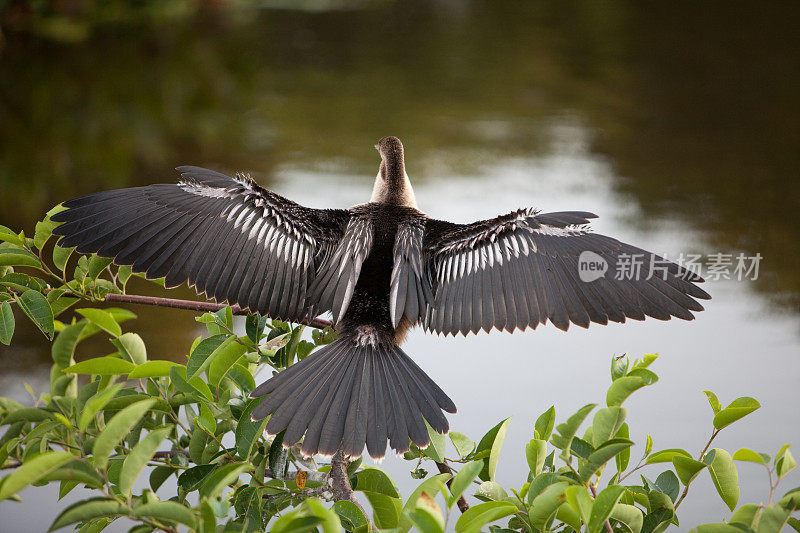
<point>347,395</point>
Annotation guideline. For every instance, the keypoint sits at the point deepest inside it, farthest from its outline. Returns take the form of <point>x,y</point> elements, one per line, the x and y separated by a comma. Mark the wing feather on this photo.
<point>523,269</point>
<point>228,237</point>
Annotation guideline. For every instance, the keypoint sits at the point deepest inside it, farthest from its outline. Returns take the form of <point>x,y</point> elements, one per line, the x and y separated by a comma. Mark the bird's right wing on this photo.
<point>228,237</point>
<point>523,269</point>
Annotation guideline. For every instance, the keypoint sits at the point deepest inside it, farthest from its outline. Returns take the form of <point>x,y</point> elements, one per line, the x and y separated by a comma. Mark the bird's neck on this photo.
<point>393,187</point>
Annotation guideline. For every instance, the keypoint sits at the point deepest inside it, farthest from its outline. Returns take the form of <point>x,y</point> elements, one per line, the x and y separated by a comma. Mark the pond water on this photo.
<point>679,126</point>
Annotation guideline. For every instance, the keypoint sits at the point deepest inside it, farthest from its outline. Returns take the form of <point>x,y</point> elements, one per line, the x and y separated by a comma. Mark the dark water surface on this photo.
<point>679,125</point>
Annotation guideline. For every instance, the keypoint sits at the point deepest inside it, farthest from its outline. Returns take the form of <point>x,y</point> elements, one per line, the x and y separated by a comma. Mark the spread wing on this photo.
<point>524,268</point>
<point>228,237</point>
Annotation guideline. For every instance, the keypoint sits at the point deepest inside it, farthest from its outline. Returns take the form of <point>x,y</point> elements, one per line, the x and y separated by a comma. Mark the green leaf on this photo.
<point>206,420</point>
<point>492,442</point>
<point>746,454</point>
<point>102,319</point>
<point>295,523</point>
<point>95,404</point>
<point>725,477</point>
<point>6,235</point>
<point>138,458</point>
<point>738,408</point>
<point>430,488</point>
<point>103,366</point>
<point>491,490</point>
<point>152,369</point>
<point>385,510</point>
<point>715,528</point>
<point>131,346</point>
<point>78,472</point>
<point>745,515</point>
<point>38,310</point>
<point>64,346</point>
<point>166,511</point>
<point>603,506</point>
<point>687,468</point>
<point>61,256</point>
<point>535,453</point>
<point>713,401</point>
<point>543,428</point>
<point>667,482</point>
<point>278,456</point>
<point>192,478</point>
<point>117,429</point>
<point>426,515</point>
<point>629,516</point>
<point>463,444</point>
<point>350,515</point>
<point>159,475</point>
<point>18,257</point>
<point>177,375</point>
<point>376,481</point>
<point>580,501</point>
<point>31,471</point>
<point>463,480</point>
<point>606,423</point>
<point>545,505</point>
<point>329,519</point>
<point>223,359</point>
<point>43,231</point>
<point>619,366</point>
<point>566,430</point>
<point>96,265</point>
<point>598,458</point>
<point>248,430</point>
<point>201,356</point>
<point>625,456</point>
<point>666,456</point>
<point>623,387</point>
<point>479,515</point>
<point>785,464</point>
<point>435,450</point>
<point>87,509</point>
<point>221,478</point>
<point>772,519</point>
<point>6,323</point>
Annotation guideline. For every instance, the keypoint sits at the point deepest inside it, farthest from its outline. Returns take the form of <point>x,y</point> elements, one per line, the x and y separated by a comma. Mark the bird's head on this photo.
<point>391,149</point>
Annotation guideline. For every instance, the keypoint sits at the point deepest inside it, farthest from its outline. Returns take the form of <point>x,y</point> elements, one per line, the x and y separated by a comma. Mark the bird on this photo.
<point>379,268</point>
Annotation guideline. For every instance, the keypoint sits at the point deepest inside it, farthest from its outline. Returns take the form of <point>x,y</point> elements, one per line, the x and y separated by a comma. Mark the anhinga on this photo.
<point>380,268</point>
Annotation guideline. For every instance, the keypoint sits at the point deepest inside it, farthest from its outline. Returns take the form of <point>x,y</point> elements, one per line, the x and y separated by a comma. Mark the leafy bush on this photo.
<point>134,418</point>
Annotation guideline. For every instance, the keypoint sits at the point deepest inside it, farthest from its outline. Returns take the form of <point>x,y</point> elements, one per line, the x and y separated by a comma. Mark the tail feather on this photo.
<point>398,431</point>
<point>409,410</point>
<point>286,404</point>
<point>378,418</point>
<point>348,396</point>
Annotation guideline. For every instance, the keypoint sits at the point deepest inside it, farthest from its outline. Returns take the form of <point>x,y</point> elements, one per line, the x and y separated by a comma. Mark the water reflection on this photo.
<point>679,126</point>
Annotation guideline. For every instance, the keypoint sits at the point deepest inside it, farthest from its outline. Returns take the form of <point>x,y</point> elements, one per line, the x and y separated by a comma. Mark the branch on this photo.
<point>340,483</point>
<point>594,493</point>
<point>193,305</point>
<point>190,305</point>
<point>462,502</point>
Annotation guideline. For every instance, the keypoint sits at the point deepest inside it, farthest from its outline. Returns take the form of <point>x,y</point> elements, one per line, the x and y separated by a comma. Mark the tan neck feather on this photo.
<point>399,194</point>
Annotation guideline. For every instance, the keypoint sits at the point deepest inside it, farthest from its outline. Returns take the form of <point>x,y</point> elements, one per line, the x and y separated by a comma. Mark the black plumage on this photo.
<point>379,268</point>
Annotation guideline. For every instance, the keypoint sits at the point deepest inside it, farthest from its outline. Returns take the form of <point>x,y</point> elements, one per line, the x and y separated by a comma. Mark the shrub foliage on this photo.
<point>172,446</point>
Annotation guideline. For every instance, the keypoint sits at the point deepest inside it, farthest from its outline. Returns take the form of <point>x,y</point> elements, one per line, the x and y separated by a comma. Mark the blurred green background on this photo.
<point>678,122</point>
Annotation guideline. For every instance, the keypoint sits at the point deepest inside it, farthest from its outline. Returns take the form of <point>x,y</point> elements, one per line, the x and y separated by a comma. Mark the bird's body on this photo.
<point>380,268</point>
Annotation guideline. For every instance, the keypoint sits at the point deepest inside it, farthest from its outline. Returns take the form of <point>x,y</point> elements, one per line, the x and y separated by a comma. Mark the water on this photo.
<point>678,126</point>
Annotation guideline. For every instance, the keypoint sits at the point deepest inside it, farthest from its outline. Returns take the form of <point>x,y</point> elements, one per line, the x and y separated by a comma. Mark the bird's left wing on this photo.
<point>228,237</point>
<point>525,268</point>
